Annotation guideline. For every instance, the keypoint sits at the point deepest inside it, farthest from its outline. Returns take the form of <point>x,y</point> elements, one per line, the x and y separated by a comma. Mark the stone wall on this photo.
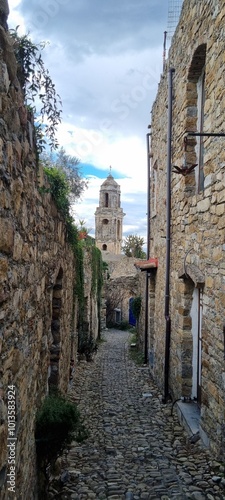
<point>36,294</point>
<point>197,273</point>
<point>118,292</point>
<point>122,285</point>
<point>38,309</point>
<point>92,312</point>
<point>146,325</point>
<point>120,265</point>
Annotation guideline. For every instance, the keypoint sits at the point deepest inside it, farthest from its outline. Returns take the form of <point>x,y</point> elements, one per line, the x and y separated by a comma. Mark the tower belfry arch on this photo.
<point>109,217</point>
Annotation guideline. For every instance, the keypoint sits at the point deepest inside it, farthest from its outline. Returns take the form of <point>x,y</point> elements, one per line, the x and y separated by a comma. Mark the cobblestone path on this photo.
<point>136,448</point>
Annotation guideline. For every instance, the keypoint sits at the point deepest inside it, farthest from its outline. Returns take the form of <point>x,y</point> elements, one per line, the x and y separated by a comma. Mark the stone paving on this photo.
<point>136,448</point>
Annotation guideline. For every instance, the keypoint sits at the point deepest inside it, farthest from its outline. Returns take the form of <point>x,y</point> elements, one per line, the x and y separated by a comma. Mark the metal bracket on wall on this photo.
<point>206,134</point>
<point>188,168</point>
<point>200,134</point>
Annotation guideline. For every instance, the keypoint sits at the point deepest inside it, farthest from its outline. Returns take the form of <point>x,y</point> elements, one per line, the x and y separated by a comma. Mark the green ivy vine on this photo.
<point>97,281</point>
<point>60,189</point>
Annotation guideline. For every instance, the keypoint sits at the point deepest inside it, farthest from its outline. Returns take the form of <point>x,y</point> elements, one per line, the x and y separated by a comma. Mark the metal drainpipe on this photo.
<point>148,194</point>
<point>148,248</point>
<point>168,240</point>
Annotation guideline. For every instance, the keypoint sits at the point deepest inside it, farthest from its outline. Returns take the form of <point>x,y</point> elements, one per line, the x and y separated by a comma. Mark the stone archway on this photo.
<point>55,348</point>
<point>191,343</point>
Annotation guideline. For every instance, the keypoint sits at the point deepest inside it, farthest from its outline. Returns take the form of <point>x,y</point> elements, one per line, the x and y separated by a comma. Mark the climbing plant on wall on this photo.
<point>69,165</point>
<point>59,187</point>
<point>96,266</point>
<point>79,283</point>
<point>97,280</point>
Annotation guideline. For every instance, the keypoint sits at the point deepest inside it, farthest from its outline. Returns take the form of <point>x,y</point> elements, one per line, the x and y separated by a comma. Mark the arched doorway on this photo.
<point>191,343</point>
<point>196,316</point>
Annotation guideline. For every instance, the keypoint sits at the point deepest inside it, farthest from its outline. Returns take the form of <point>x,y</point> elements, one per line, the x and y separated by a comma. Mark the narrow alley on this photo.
<point>136,449</point>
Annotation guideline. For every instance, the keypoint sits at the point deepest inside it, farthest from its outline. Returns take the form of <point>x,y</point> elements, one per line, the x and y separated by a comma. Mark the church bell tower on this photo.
<point>109,217</point>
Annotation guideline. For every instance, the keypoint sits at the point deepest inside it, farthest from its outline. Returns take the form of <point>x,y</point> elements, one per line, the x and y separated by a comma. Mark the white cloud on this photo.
<point>134,222</point>
<point>15,18</point>
<point>105,59</point>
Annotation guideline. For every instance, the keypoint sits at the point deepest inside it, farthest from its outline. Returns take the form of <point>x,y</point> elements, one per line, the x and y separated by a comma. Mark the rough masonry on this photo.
<point>197,259</point>
<point>38,307</point>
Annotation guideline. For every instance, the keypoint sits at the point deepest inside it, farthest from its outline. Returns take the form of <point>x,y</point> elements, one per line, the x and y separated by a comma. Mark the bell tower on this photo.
<point>109,217</point>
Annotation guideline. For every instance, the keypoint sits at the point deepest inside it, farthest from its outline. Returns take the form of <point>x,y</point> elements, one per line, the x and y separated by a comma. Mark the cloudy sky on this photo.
<point>105,58</point>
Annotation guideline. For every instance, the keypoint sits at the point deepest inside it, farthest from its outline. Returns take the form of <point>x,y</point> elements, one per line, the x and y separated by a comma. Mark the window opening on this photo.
<point>118,229</point>
<point>194,147</point>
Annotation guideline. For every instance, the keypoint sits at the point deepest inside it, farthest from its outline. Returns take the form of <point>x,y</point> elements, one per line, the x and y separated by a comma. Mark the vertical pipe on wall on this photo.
<point>148,248</point>
<point>168,238</point>
<point>148,194</point>
<point>146,319</point>
<point>164,49</point>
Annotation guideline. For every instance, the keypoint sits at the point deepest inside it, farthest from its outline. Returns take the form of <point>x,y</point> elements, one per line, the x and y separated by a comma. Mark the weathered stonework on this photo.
<point>91,314</point>
<point>121,284</point>
<point>121,276</point>
<point>38,307</point>
<point>109,217</point>
<point>197,218</point>
<point>36,294</point>
<point>118,292</point>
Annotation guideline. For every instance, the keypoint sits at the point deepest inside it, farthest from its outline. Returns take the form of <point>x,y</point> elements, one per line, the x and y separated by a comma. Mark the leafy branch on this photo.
<point>59,188</point>
<point>69,165</point>
<point>37,83</point>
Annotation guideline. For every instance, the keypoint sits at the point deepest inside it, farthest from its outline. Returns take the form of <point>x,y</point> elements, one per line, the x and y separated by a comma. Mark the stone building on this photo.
<point>121,283</point>
<point>109,217</point>
<point>186,337</point>
<point>120,288</point>
<point>38,306</point>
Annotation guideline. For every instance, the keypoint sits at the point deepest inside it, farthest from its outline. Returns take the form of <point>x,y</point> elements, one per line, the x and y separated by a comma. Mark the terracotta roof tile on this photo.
<point>143,265</point>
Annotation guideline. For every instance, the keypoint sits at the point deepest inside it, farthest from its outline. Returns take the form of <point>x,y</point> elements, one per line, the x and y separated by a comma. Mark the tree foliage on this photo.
<point>38,86</point>
<point>57,423</point>
<point>132,246</point>
<point>59,189</point>
<point>68,166</point>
